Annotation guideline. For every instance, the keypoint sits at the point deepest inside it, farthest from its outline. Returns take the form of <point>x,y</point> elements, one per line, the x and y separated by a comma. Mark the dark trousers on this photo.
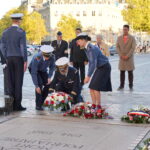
<point>130,78</point>
<point>15,66</point>
<point>42,83</point>
<point>6,81</point>
<point>80,67</point>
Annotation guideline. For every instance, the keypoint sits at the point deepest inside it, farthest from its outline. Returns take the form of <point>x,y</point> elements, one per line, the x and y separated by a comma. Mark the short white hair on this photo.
<point>99,36</point>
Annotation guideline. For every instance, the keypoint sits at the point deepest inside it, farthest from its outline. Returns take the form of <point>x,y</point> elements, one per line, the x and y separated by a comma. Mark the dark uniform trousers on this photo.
<point>80,66</point>
<point>42,83</point>
<point>122,78</point>
<point>15,66</point>
<point>6,81</point>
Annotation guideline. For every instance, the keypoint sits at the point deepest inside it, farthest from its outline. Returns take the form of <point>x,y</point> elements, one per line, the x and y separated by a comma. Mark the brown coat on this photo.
<point>126,49</point>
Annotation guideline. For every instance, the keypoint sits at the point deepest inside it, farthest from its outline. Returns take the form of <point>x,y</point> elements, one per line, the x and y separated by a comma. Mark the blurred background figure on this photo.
<point>78,57</point>
<point>102,45</point>
<point>60,46</point>
<point>126,45</point>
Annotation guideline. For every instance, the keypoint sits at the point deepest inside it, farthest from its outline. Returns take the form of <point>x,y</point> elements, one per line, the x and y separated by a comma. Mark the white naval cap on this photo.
<point>62,61</point>
<point>83,35</point>
<point>17,16</point>
<point>47,49</point>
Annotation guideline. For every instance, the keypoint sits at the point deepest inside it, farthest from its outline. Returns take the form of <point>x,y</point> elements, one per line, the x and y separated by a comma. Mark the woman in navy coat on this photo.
<point>99,70</point>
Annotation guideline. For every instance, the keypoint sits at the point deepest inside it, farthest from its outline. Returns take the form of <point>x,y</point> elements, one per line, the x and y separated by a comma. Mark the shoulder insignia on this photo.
<point>76,71</point>
<point>20,30</point>
<point>38,58</point>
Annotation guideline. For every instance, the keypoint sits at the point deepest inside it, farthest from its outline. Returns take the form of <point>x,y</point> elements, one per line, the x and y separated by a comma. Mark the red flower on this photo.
<point>99,111</point>
<point>82,107</point>
<point>65,114</point>
<point>76,111</point>
<point>52,97</point>
<point>72,112</point>
<point>63,101</point>
<point>69,98</point>
<point>52,103</point>
<point>47,102</point>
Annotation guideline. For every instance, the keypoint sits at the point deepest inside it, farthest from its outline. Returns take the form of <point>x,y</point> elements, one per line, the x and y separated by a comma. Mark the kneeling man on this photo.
<point>38,68</point>
<point>66,79</point>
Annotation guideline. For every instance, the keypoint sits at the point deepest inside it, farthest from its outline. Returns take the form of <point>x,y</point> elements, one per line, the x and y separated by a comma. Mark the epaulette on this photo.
<point>20,30</point>
<point>38,58</point>
<point>76,71</point>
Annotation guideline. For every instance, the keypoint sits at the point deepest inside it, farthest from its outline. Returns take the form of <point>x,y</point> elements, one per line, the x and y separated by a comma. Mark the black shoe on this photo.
<point>131,88</point>
<point>120,88</point>
<point>20,109</point>
<point>39,108</point>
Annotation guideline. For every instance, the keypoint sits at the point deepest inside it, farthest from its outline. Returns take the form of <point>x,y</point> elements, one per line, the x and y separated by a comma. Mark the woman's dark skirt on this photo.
<point>101,80</point>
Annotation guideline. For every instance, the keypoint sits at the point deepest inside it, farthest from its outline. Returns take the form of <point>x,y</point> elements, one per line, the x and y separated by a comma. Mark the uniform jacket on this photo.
<point>70,82</point>
<point>14,42</point>
<point>76,54</point>
<point>95,57</point>
<point>60,51</point>
<point>38,64</point>
<point>126,49</point>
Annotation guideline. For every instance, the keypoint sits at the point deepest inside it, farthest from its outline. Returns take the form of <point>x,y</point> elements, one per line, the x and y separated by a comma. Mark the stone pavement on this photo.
<point>33,130</point>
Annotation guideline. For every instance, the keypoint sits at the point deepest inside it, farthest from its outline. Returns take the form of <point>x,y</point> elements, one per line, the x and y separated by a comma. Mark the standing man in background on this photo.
<point>126,46</point>
<point>78,57</point>
<point>15,52</point>
<point>102,45</point>
<point>60,47</point>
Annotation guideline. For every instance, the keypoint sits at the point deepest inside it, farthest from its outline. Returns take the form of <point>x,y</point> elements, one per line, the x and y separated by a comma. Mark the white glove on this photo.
<point>4,66</point>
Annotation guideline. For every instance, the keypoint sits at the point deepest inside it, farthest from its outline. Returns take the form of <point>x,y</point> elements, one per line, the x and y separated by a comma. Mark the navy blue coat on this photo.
<point>14,42</point>
<point>39,64</point>
<point>71,82</point>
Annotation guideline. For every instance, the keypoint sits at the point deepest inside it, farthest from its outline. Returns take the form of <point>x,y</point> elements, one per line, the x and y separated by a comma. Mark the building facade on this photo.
<point>99,15</point>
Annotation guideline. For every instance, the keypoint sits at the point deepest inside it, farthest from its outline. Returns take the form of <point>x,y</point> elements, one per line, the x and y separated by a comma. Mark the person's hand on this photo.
<point>66,52</point>
<point>71,63</point>
<point>38,90</point>
<point>48,81</point>
<point>86,80</point>
<point>4,66</point>
<point>25,66</point>
<point>126,57</point>
<point>86,62</point>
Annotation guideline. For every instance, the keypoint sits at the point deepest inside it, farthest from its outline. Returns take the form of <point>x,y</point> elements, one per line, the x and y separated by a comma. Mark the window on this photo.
<point>84,13</point>
<point>93,13</point>
<point>56,13</point>
<point>78,13</point>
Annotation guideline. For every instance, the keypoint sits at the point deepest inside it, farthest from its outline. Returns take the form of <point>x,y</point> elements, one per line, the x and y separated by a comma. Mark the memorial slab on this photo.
<point>46,134</point>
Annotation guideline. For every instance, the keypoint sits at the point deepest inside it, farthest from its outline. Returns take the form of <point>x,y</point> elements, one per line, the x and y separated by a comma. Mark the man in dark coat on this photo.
<point>66,80</point>
<point>14,51</point>
<point>60,47</point>
<point>78,57</point>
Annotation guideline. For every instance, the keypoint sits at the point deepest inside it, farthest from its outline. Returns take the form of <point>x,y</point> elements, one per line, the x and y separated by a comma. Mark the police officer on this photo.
<point>60,46</point>
<point>15,52</point>
<point>38,68</point>
<point>66,79</point>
